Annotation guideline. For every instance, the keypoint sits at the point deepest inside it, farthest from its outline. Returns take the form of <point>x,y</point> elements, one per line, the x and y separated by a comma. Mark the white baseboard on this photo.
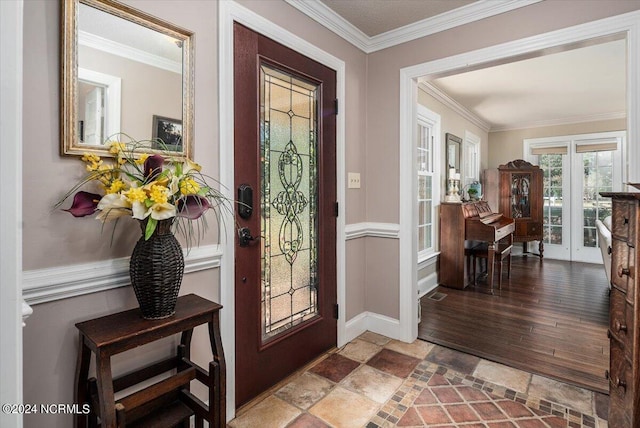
<point>427,284</point>
<point>376,323</point>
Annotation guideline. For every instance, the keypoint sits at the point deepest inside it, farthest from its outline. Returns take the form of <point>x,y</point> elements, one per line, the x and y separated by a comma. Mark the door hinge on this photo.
<point>337,209</point>
<point>336,312</point>
<point>336,105</point>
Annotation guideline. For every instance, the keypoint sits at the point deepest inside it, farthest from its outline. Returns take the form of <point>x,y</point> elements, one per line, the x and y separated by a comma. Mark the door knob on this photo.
<point>244,236</point>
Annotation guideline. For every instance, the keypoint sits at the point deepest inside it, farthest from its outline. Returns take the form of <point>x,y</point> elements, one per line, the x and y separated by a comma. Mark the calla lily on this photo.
<point>153,167</point>
<point>84,204</point>
<point>189,166</point>
<point>140,210</point>
<point>162,211</point>
<point>113,206</point>
<point>192,206</point>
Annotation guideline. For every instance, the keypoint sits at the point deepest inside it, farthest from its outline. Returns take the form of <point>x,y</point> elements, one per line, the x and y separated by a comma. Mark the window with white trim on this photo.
<point>428,186</point>
<point>471,158</point>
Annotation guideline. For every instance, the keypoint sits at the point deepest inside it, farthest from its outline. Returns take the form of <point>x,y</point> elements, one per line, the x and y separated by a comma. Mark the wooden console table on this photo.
<point>165,403</point>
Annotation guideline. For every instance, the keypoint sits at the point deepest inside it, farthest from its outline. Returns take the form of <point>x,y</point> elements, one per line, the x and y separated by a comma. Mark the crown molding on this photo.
<point>128,52</point>
<point>325,16</point>
<point>481,9</point>
<point>564,121</point>
<point>454,105</point>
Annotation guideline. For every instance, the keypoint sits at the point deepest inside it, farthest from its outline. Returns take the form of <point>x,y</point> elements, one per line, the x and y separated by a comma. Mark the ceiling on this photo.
<point>580,84</point>
<point>374,17</point>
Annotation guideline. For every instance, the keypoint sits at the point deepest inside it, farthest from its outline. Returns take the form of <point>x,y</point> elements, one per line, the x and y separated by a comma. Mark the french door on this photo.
<point>285,175</point>
<point>576,169</point>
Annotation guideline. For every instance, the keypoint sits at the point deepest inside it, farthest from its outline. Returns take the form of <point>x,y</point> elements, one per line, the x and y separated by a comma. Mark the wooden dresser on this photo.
<point>624,320</point>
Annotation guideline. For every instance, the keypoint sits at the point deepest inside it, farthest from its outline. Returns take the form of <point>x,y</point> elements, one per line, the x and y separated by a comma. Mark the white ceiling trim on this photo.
<point>565,121</point>
<point>481,9</point>
<point>128,52</point>
<point>454,105</point>
<point>325,16</point>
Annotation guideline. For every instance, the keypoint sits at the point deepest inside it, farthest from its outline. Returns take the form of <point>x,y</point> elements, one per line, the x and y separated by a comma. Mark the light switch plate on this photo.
<point>353,180</point>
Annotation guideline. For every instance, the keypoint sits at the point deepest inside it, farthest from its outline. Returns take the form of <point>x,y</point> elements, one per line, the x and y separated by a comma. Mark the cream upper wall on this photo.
<point>506,146</point>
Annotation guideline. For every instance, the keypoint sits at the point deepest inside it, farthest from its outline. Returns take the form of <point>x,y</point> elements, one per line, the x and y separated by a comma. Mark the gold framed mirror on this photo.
<point>121,70</point>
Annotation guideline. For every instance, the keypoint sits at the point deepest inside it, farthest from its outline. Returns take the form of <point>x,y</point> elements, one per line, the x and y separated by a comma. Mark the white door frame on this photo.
<point>578,251</point>
<point>628,23</point>
<point>11,28</point>
<point>571,186</point>
<point>228,13</point>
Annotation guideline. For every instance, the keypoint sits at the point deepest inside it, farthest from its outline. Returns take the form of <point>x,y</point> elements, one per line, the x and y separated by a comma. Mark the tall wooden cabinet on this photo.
<point>516,190</point>
<point>624,312</point>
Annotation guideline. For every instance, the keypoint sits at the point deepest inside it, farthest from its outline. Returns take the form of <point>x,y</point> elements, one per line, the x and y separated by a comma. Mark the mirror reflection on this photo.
<point>132,76</point>
<point>453,154</point>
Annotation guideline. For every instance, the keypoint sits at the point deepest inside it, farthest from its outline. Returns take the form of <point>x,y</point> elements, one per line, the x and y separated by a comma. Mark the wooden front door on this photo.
<point>285,176</point>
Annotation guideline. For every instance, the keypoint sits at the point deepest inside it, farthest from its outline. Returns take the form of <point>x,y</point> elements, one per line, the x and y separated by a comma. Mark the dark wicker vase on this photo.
<point>156,270</point>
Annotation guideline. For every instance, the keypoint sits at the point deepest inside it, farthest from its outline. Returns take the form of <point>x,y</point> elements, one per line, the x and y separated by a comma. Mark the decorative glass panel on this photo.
<point>520,197</point>
<point>289,201</point>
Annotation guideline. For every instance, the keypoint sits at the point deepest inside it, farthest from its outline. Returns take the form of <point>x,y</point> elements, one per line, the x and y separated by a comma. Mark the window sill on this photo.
<point>427,259</point>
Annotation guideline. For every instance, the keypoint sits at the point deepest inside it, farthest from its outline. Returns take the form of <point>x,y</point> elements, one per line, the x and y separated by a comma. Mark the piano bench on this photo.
<point>502,252</point>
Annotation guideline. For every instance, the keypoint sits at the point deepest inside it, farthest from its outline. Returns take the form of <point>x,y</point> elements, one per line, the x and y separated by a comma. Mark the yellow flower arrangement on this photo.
<point>149,188</point>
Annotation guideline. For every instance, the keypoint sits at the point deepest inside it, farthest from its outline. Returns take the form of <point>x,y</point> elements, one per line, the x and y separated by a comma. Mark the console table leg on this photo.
<point>81,381</point>
<point>105,391</point>
<point>220,383</point>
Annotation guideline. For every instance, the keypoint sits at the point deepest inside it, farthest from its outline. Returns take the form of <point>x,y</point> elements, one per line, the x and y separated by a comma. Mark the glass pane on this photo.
<point>555,235</point>
<point>289,198</point>
<point>520,202</point>
<point>589,216</point>
<point>598,173</point>
<point>605,158</point>
<point>555,215</point>
<point>590,237</point>
<point>421,238</point>
<point>551,165</point>
<point>422,187</point>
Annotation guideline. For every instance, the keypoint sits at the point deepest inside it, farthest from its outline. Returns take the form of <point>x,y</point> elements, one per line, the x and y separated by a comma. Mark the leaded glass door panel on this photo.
<point>285,284</point>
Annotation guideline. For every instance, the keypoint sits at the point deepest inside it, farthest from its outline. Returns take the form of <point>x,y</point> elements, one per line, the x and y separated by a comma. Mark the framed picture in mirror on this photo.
<point>167,134</point>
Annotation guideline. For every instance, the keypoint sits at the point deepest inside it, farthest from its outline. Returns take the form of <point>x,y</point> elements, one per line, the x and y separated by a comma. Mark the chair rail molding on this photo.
<point>63,282</point>
<point>373,230</point>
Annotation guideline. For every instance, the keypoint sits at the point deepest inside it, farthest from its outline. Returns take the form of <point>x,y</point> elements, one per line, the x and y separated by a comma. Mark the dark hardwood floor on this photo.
<point>550,318</point>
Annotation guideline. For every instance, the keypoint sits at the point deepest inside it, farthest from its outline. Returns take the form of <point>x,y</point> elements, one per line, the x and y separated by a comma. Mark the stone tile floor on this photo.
<point>374,382</point>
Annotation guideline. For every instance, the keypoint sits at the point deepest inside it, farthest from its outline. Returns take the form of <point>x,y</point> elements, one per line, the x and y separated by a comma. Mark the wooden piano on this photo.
<point>460,226</point>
